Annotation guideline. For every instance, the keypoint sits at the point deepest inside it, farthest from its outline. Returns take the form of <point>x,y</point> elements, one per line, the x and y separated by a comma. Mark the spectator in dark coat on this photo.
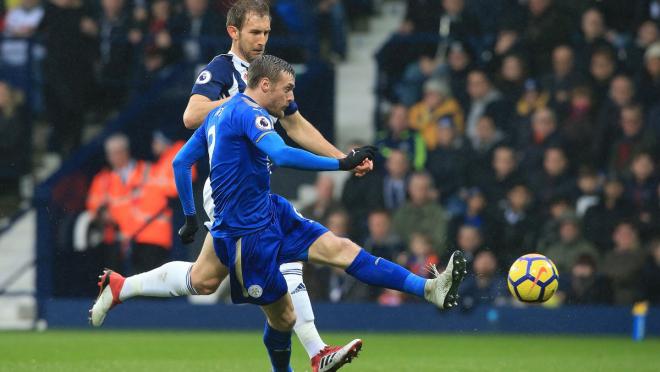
<point>195,28</point>
<point>651,274</point>
<point>382,241</point>
<point>602,68</point>
<point>586,285</point>
<point>600,219</point>
<point>623,265</point>
<point>563,78</point>
<point>555,180</point>
<point>484,286</point>
<point>543,135</point>
<point>649,77</point>
<point>67,26</point>
<point>325,203</point>
<point>621,94</point>
<point>517,225</point>
<point>448,163</point>
<point>546,27</point>
<point>502,176</point>
<point>634,140</point>
<point>593,35</point>
<point>647,34</point>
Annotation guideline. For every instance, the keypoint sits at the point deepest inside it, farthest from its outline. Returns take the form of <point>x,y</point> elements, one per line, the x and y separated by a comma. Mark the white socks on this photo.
<point>169,280</point>
<point>305,329</point>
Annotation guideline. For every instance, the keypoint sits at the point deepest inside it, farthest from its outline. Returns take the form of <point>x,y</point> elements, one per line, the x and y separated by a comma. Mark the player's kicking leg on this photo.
<point>442,290</point>
<point>173,279</point>
<point>323,357</point>
<point>281,319</point>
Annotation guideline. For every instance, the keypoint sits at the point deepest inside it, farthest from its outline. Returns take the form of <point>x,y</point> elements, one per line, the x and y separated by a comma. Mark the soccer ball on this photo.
<point>533,278</point>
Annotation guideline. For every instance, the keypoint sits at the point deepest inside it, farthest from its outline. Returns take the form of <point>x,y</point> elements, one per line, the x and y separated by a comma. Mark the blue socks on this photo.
<point>380,272</point>
<point>278,345</point>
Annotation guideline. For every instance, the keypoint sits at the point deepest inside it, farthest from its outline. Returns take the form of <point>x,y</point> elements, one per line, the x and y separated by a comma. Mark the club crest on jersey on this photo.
<point>204,77</point>
<point>263,123</point>
<point>255,291</point>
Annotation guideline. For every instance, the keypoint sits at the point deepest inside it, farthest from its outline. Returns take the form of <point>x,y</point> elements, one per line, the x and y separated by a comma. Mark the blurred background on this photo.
<point>505,127</point>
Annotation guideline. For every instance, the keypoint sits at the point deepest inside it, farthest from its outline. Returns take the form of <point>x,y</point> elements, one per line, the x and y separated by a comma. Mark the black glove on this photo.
<point>188,230</point>
<point>357,156</point>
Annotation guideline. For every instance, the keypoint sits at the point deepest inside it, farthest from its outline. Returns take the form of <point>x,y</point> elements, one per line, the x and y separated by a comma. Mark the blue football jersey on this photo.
<point>239,171</point>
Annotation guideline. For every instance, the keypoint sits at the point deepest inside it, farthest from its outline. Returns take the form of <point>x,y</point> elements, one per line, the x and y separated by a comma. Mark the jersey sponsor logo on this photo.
<point>255,291</point>
<point>263,123</point>
<point>204,77</point>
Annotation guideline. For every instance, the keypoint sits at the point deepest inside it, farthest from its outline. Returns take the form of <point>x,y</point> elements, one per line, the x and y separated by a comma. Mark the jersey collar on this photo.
<point>238,61</point>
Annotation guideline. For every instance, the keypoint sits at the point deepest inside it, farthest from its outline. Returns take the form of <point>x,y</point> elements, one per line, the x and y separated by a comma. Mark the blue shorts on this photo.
<point>254,260</point>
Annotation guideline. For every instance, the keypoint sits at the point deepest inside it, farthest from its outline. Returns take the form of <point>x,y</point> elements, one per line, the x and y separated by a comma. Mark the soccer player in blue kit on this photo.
<point>248,24</point>
<point>255,231</point>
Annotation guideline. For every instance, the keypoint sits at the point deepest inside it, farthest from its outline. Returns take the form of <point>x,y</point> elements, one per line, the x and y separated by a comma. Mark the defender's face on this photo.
<point>252,38</point>
<point>280,93</point>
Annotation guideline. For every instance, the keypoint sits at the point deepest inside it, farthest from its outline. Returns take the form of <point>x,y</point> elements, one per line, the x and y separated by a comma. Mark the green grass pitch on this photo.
<point>231,351</point>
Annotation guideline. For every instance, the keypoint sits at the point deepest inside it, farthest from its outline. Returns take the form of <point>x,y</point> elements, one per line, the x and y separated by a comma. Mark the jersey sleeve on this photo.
<point>189,154</point>
<point>214,81</point>
<point>256,124</point>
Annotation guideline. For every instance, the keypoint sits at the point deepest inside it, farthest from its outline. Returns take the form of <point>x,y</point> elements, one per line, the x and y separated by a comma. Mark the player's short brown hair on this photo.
<point>238,12</point>
<point>267,66</point>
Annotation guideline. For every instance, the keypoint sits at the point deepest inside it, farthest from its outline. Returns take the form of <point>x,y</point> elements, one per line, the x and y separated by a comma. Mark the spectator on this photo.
<point>624,263</point>
<point>544,134</point>
<point>394,183</point>
<point>578,127</point>
<point>448,163</point>
<point>397,136</point>
<point>651,274</point>
<point>502,176</point>
<point>67,26</point>
<point>124,196</point>
<point>600,220</point>
<point>649,77</point>
<point>563,78</point>
<point>436,105</point>
<point>593,35</point>
<point>487,138</point>
<point>477,213</point>
<point>162,172</point>
<point>159,49</point>
<point>421,214</point>
<point>512,77</point>
<point>485,287</point>
<point>382,241</point>
<point>641,191</point>
<point>571,244</point>
<point>532,99</point>
<point>517,225</point>
<point>621,94</point>
<point>194,28</point>
<point>553,213</point>
<point>545,28</point>
<point>588,183</point>
<point>633,141</point>
<point>601,71</point>
<point>587,285</point>
<point>421,255</point>
<point>325,203</point>
<point>21,22</point>
<point>484,99</point>
<point>116,52</point>
<point>554,180</point>
<point>470,241</point>
<point>647,35</point>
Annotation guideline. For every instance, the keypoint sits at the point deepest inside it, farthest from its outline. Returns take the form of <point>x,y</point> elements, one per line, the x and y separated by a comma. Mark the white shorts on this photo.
<point>209,206</point>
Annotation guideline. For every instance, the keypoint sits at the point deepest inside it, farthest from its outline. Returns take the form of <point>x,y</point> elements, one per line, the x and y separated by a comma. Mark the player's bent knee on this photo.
<point>283,322</point>
<point>202,281</point>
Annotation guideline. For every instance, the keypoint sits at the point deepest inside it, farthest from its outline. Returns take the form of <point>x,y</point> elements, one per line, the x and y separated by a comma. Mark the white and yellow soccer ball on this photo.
<point>533,278</point>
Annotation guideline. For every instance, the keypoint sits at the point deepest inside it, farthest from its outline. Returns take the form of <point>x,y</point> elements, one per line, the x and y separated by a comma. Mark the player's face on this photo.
<point>252,38</point>
<point>281,94</point>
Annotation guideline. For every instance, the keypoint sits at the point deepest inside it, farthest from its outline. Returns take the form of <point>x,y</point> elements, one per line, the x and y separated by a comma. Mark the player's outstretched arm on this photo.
<point>198,107</point>
<point>308,137</point>
<point>286,156</point>
<point>192,151</point>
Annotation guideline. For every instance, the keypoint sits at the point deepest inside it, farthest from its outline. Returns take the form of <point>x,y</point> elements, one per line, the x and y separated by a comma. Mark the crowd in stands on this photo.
<point>509,127</point>
<point>82,60</point>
